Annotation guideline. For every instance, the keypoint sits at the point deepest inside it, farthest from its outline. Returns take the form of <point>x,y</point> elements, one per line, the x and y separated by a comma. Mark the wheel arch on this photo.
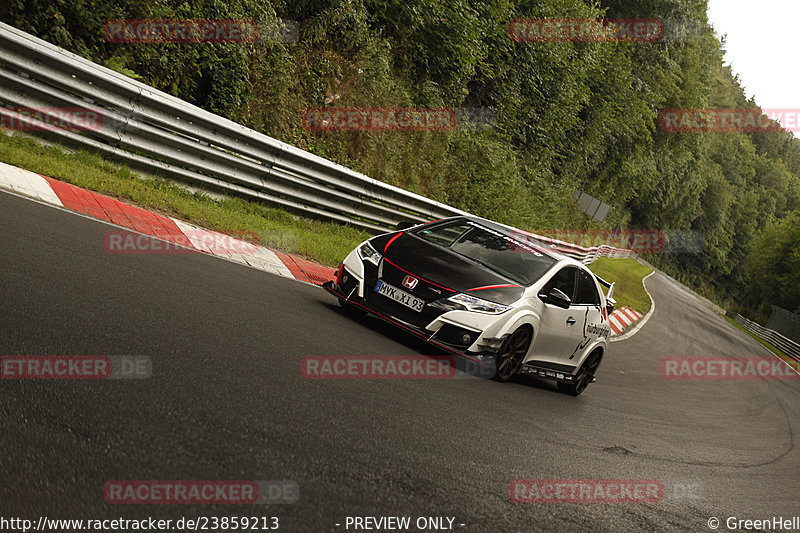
<point>523,317</point>
<point>599,347</point>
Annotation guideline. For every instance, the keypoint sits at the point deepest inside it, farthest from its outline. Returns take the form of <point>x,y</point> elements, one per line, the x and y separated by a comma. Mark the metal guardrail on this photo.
<point>582,254</point>
<point>157,133</point>
<point>788,346</point>
<point>784,322</point>
<point>160,134</point>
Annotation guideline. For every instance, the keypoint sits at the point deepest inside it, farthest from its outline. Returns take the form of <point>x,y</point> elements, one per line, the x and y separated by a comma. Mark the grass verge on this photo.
<point>324,242</point>
<point>628,275</point>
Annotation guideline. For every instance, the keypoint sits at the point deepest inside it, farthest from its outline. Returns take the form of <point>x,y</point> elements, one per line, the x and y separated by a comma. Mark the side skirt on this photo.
<point>542,369</point>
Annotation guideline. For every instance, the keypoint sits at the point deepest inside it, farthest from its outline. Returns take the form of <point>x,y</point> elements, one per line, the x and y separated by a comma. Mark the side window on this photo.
<point>587,290</point>
<point>564,280</point>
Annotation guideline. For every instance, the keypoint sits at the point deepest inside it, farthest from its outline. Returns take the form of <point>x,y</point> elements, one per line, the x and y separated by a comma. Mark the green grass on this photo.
<point>628,275</point>
<point>324,242</point>
<point>774,349</point>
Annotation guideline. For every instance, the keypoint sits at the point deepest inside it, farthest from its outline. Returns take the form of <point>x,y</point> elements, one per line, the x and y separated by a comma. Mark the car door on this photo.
<point>557,325</point>
<point>588,311</point>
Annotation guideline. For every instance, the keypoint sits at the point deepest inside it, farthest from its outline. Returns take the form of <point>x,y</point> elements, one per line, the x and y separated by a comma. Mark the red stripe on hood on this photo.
<point>492,287</point>
<point>391,241</point>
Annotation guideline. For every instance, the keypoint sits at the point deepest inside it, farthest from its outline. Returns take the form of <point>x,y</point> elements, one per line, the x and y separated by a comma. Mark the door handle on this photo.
<point>570,321</point>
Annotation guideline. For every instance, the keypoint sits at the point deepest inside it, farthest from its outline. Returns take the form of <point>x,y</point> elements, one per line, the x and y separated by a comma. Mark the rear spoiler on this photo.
<point>610,286</point>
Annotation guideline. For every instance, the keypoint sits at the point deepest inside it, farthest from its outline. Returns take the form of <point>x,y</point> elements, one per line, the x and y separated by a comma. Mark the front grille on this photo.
<point>424,290</point>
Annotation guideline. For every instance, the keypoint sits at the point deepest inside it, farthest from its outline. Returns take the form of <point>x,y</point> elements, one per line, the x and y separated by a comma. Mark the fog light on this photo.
<point>345,278</point>
<point>465,338</point>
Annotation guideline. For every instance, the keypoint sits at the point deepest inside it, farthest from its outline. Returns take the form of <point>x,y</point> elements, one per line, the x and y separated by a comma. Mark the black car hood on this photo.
<point>446,268</point>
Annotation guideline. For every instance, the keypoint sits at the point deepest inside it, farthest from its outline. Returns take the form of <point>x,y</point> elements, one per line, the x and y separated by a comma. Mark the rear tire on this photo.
<point>512,353</point>
<point>584,376</point>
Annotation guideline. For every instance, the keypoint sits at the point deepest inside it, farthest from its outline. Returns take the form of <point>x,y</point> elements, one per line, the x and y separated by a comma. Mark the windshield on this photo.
<point>497,251</point>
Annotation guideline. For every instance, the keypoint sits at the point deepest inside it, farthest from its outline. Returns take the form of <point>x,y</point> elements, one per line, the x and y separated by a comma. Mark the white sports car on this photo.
<point>487,292</point>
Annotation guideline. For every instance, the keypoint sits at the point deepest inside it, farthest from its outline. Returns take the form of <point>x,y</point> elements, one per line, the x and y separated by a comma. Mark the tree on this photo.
<point>773,265</point>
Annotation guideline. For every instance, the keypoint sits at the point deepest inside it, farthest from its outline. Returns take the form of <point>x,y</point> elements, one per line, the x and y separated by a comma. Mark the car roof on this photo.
<point>564,260</point>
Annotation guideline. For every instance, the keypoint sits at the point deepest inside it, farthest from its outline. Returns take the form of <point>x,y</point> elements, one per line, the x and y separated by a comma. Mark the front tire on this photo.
<point>584,376</point>
<point>512,353</point>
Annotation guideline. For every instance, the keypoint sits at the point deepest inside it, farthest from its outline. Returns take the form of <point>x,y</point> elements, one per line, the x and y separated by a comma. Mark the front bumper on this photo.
<point>476,364</point>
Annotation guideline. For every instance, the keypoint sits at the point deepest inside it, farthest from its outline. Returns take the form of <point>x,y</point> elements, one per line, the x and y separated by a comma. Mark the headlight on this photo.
<point>478,304</point>
<point>368,253</point>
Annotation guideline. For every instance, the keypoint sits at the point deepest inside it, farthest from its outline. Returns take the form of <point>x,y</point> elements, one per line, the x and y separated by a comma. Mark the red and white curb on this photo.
<point>178,232</point>
<point>623,318</point>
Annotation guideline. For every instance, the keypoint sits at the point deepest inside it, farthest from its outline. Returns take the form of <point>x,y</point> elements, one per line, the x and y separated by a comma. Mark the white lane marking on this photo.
<point>27,183</point>
<point>644,320</point>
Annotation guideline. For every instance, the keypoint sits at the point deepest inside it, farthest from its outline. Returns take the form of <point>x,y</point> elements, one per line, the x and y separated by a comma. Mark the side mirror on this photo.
<point>404,224</point>
<point>557,298</point>
<point>610,305</point>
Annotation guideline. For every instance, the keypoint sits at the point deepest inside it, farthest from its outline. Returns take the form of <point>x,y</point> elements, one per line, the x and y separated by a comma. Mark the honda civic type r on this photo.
<point>487,292</point>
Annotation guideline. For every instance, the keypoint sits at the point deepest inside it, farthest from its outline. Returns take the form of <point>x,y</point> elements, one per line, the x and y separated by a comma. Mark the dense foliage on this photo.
<point>569,116</point>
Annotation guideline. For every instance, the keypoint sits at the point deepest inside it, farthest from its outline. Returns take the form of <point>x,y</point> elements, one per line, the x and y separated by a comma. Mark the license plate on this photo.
<point>399,296</point>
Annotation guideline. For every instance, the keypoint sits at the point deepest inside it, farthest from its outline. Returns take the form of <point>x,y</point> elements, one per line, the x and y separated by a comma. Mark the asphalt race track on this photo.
<point>227,401</point>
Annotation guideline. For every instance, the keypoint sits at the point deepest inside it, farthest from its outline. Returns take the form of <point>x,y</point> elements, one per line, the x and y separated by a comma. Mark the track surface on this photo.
<point>227,401</point>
